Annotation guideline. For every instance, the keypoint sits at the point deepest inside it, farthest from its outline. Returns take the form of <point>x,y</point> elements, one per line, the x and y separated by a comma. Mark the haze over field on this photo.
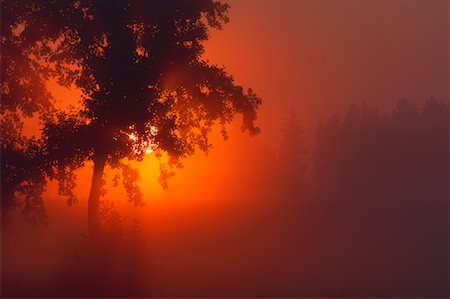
<point>344,192</point>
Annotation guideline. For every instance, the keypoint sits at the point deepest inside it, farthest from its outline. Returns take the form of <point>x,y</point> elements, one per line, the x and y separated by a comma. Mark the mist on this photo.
<point>366,214</point>
<point>344,193</point>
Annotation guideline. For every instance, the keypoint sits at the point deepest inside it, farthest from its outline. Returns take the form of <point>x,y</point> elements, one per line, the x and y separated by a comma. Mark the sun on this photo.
<point>141,145</point>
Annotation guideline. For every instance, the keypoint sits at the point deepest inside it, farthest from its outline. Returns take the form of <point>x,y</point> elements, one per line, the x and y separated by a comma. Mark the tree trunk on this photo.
<point>94,196</point>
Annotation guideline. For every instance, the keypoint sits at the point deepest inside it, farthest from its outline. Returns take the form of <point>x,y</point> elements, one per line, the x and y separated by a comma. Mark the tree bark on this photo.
<point>94,196</point>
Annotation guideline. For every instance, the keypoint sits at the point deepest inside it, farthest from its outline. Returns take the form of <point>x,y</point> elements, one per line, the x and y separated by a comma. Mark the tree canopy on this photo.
<point>144,82</point>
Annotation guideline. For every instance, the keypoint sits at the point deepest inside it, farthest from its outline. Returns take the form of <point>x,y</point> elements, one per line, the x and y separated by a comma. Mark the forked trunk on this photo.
<point>94,197</point>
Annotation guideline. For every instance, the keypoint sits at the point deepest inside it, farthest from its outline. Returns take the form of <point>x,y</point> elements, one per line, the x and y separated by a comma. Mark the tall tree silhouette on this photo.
<point>292,152</point>
<point>145,85</point>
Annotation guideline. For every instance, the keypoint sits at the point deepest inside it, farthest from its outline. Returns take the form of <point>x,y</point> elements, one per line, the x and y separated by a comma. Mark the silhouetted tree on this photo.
<point>145,85</point>
<point>405,110</point>
<point>23,95</point>
<point>292,152</point>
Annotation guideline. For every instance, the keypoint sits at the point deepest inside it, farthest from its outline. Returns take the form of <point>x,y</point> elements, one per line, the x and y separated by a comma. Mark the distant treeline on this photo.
<point>372,207</point>
<point>362,212</point>
<point>368,155</point>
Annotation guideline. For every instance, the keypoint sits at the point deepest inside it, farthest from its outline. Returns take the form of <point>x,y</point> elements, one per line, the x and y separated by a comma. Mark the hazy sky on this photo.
<point>215,223</point>
<point>321,55</point>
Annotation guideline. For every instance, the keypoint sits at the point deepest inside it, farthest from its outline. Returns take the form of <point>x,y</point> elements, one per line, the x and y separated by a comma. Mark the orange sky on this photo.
<point>318,56</point>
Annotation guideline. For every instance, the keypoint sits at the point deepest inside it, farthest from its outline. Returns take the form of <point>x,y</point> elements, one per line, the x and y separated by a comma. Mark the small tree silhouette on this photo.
<point>145,84</point>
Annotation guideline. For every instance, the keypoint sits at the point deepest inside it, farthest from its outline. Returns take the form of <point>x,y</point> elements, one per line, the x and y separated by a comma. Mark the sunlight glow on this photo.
<point>146,146</point>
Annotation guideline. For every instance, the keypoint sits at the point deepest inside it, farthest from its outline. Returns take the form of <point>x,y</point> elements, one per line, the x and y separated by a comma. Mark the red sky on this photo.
<point>318,56</point>
<point>321,55</point>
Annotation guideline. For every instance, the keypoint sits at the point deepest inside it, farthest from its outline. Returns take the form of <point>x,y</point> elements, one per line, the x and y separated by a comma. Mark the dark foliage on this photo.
<point>139,66</point>
<point>23,95</point>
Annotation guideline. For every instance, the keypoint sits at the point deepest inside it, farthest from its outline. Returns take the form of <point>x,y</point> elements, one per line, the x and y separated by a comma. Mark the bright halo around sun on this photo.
<point>146,146</point>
